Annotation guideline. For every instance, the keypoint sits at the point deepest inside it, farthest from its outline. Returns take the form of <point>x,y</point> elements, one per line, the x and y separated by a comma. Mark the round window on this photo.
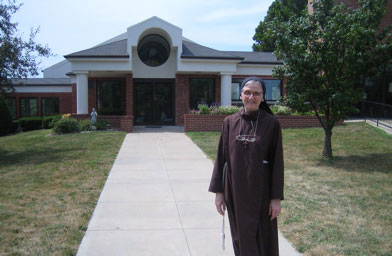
<point>153,50</point>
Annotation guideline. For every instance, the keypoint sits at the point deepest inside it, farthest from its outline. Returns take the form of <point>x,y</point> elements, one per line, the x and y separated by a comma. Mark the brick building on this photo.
<point>149,75</point>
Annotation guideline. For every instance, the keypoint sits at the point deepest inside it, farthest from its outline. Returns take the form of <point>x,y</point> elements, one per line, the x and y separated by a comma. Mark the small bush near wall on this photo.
<point>66,125</point>
<point>101,125</point>
<point>85,125</point>
<point>49,121</point>
<point>30,123</point>
<point>214,110</point>
<point>280,110</point>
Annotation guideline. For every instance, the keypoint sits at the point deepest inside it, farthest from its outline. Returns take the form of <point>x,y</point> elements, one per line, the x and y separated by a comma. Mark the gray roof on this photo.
<point>193,50</point>
<point>116,49</point>
<point>256,57</point>
<point>190,50</point>
<point>42,81</point>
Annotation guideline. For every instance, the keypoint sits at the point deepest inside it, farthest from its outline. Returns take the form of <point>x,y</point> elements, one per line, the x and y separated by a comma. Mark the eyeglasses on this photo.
<point>247,138</point>
<point>247,93</point>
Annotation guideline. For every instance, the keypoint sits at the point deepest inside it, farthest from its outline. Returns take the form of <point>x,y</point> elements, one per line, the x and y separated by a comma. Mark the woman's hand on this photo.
<point>220,203</point>
<point>274,208</point>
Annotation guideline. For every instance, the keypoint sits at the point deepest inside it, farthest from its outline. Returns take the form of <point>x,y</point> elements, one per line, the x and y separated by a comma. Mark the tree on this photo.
<point>328,55</point>
<point>281,10</point>
<point>18,58</point>
<point>5,117</point>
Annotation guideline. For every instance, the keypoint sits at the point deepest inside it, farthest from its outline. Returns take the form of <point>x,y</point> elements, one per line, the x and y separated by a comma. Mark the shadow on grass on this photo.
<point>381,162</point>
<point>34,156</point>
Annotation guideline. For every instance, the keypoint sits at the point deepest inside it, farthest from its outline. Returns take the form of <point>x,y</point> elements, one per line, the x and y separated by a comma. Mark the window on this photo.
<point>28,107</point>
<point>273,87</point>
<point>109,98</point>
<point>235,89</point>
<point>201,91</point>
<point>50,106</point>
<point>153,50</point>
<point>12,105</point>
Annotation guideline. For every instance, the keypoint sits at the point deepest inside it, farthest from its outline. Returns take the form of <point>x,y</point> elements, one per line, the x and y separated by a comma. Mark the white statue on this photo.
<point>93,116</point>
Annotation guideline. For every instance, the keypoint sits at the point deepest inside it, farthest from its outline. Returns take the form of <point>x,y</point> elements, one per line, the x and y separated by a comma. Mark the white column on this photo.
<point>82,93</point>
<point>225,89</point>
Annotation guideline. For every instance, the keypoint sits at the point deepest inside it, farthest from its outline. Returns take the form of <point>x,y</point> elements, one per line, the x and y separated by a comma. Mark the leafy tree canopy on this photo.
<point>327,56</point>
<point>18,57</point>
<point>281,10</point>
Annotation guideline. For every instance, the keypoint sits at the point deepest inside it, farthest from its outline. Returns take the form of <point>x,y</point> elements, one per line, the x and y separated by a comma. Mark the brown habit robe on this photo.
<point>250,183</point>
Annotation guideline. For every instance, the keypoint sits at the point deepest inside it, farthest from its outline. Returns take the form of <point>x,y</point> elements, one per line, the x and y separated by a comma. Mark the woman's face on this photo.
<point>252,96</point>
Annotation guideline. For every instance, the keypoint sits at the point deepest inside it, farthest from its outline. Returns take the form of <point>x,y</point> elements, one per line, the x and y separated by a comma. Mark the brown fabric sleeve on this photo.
<point>217,173</point>
<point>277,175</point>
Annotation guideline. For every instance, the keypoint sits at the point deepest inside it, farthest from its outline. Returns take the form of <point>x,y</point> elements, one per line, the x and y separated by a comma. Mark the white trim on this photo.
<point>226,89</point>
<point>121,59</point>
<point>82,93</point>
<point>43,89</point>
<point>210,60</point>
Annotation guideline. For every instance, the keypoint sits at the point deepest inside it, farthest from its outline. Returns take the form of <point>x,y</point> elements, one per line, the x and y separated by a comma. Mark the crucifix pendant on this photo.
<point>245,144</point>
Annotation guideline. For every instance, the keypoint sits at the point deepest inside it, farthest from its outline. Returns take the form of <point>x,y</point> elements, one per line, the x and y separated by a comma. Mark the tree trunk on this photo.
<point>327,150</point>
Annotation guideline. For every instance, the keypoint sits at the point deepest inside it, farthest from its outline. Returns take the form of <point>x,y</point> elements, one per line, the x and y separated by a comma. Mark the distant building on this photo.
<point>148,75</point>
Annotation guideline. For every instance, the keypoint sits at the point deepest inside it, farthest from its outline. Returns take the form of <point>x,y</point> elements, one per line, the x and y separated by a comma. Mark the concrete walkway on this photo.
<point>155,201</point>
<point>371,122</point>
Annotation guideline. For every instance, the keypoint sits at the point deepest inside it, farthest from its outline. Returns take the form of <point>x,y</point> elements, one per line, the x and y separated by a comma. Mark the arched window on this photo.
<point>153,50</point>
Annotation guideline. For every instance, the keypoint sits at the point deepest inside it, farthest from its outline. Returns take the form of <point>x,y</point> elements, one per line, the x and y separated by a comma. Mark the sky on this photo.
<point>67,26</point>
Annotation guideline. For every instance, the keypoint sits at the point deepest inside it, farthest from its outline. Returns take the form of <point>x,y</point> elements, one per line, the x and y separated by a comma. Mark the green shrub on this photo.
<point>308,113</point>
<point>49,121</point>
<point>204,109</point>
<point>66,125</point>
<point>215,110</point>
<point>281,110</point>
<point>14,126</point>
<point>30,123</point>
<point>85,125</point>
<point>226,110</point>
<point>101,124</point>
<point>5,117</point>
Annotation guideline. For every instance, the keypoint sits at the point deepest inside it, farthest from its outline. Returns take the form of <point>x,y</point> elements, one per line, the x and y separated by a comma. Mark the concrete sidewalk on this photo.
<point>155,201</point>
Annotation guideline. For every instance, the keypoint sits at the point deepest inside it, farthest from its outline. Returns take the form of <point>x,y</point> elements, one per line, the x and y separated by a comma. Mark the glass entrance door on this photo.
<point>154,102</point>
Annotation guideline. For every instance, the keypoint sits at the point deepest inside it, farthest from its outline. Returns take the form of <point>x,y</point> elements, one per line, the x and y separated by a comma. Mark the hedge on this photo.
<point>49,121</point>
<point>30,123</point>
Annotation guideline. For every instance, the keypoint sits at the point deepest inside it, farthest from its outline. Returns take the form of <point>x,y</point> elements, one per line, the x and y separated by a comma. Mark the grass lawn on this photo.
<point>49,186</point>
<point>334,207</point>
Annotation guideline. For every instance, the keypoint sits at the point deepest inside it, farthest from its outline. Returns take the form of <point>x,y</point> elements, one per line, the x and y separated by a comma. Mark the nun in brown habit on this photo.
<point>251,145</point>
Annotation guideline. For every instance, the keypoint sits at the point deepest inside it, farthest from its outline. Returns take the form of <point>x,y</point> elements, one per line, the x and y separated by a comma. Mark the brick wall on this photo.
<point>213,123</point>
<point>300,121</point>
<point>65,101</point>
<point>205,123</point>
<point>386,20</point>
<point>182,94</point>
<point>129,95</point>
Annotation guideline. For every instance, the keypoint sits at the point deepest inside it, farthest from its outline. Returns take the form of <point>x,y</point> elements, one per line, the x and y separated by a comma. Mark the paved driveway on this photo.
<point>155,201</point>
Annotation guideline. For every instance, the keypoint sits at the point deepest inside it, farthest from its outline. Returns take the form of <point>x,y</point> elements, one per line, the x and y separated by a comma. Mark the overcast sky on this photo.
<point>67,26</point>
